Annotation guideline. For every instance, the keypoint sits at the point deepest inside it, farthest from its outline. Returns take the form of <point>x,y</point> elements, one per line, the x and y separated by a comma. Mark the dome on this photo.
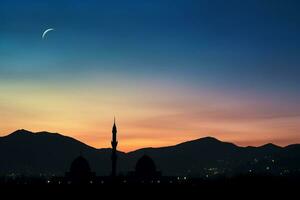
<point>80,165</point>
<point>145,166</point>
<point>80,171</point>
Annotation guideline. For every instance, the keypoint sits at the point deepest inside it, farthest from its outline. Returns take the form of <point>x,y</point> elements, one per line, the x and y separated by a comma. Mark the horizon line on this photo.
<point>249,146</point>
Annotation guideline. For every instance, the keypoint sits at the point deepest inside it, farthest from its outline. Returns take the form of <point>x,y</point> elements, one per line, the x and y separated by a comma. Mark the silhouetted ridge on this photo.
<point>210,140</point>
<point>47,153</point>
<point>207,142</point>
<point>270,145</point>
<point>21,132</point>
<point>43,136</point>
<point>292,146</point>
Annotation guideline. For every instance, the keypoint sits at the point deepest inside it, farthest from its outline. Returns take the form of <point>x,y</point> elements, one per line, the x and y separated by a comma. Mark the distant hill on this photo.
<point>47,153</point>
<point>24,152</point>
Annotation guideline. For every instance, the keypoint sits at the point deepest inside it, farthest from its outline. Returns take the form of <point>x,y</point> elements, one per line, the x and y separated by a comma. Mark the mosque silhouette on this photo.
<point>80,170</point>
<point>145,173</point>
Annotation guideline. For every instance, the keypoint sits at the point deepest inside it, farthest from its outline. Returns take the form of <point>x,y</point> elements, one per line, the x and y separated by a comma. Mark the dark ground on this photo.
<point>237,188</point>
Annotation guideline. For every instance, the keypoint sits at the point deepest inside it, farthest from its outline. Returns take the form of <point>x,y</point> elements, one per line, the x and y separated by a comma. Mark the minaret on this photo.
<point>114,144</point>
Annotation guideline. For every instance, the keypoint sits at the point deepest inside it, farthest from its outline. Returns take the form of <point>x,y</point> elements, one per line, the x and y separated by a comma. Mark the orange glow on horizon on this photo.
<point>147,115</point>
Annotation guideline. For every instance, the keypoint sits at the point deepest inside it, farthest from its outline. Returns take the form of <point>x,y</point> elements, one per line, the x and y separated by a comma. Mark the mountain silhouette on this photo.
<point>43,153</point>
<point>47,153</point>
<point>188,157</point>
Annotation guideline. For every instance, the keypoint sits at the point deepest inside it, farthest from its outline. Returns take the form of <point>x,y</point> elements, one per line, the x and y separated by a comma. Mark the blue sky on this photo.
<point>247,41</point>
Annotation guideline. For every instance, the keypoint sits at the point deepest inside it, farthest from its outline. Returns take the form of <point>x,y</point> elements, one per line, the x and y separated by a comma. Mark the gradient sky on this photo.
<point>169,70</point>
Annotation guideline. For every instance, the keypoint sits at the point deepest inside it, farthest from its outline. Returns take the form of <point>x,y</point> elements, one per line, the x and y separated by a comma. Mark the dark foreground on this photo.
<point>239,188</point>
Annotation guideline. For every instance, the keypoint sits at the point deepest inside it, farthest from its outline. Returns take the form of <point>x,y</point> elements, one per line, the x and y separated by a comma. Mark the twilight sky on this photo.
<point>169,70</point>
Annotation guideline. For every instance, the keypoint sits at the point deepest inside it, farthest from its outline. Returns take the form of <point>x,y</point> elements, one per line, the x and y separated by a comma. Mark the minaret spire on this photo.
<point>114,144</point>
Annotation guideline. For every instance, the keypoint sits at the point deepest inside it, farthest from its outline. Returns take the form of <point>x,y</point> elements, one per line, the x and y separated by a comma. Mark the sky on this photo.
<point>168,70</point>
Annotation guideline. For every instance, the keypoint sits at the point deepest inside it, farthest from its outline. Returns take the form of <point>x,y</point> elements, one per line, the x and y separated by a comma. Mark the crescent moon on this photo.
<point>47,31</point>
